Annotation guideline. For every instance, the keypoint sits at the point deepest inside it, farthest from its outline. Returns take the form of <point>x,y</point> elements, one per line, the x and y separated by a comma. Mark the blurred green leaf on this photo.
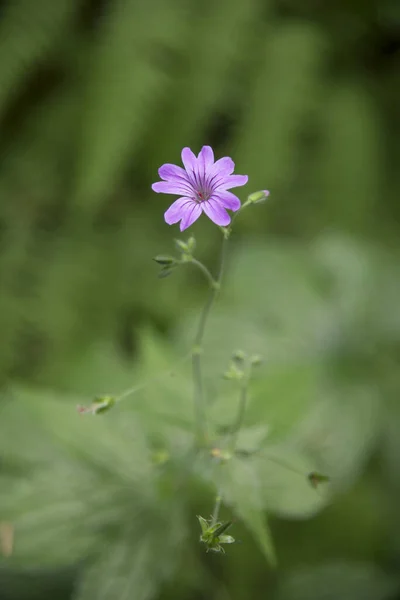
<point>240,488</point>
<point>27,32</point>
<point>346,581</point>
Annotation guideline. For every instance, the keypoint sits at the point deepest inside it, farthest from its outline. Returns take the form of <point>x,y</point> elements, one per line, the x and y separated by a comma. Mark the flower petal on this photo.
<point>223,166</point>
<point>232,181</point>
<point>171,187</point>
<point>171,172</point>
<point>191,215</point>
<point>205,160</point>
<point>178,210</point>
<point>216,212</point>
<point>227,199</point>
<point>189,161</point>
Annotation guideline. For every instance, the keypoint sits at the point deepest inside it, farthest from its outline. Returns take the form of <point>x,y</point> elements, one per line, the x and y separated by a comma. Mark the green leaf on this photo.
<point>144,555</point>
<point>239,486</point>
<point>116,113</point>
<point>347,581</point>
<point>283,475</point>
<point>203,524</point>
<point>124,570</point>
<point>340,433</point>
<point>199,88</point>
<point>256,522</point>
<point>292,56</point>
<point>347,165</point>
<point>23,47</point>
<point>162,259</point>
<point>226,539</point>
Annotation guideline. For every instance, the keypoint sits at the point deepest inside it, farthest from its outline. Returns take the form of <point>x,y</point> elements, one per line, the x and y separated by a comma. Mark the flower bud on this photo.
<point>99,405</point>
<point>239,356</point>
<point>233,373</point>
<point>191,244</point>
<point>256,360</point>
<point>165,272</point>
<point>182,246</point>
<point>258,197</point>
<point>316,478</point>
<point>164,260</point>
<point>213,534</point>
<point>102,404</point>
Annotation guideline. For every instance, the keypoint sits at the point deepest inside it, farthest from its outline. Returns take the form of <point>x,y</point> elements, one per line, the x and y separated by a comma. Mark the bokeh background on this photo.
<point>94,96</point>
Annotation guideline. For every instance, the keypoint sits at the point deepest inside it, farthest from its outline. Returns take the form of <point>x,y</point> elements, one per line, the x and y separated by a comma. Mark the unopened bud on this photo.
<point>239,356</point>
<point>164,260</point>
<point>98,406</point>
<point>317,478</point>
<point>165,272</point>
<point>256,360</point>
<point>258,197</point>
<point>182,246</point>
<point>233,373</point>
<point>191,244</point>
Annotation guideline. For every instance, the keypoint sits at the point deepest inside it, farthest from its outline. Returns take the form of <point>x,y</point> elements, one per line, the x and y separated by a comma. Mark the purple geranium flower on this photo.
<point>202,185</point>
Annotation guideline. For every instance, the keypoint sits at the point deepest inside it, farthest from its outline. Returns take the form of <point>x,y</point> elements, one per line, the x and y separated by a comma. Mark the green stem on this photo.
<point>238,212</point>
<point>199,404</point>
<point>235,432</point>
<point>204,270</point>
<point>141,386</point>
<point>217,506</point>
<point>240,415</point>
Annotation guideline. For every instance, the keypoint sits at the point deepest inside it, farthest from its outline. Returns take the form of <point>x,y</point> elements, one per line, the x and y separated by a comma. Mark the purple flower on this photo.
<point>202,185</point>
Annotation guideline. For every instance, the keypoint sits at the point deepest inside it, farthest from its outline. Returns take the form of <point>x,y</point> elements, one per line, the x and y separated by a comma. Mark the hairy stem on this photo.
<point>199,403</point>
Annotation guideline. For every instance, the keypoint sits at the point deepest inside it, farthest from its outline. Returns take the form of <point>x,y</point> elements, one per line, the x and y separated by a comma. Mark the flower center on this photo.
<point>202,195</point>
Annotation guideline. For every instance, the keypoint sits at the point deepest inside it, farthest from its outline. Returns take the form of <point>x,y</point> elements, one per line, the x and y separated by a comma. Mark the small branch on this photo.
<point>204,270</point>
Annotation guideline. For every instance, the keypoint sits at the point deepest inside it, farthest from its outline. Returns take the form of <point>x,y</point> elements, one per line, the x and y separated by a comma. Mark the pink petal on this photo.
<point>189,161</point>
<point>177,210</point>
<point>232,181</point>
<point>205,159</point>
<point>227,199</point>
<point>171,187</point>
<point>224,166</point>
<point>171,172</point>
<point>216,212</point>
<point>191,215</point>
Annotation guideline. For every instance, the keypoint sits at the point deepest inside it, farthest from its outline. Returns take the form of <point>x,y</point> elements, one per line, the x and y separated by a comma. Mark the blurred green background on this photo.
<point>94,96</point>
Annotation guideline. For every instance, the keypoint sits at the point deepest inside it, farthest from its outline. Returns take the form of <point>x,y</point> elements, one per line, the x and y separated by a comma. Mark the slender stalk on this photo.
<point>240,415</point>
<point>199,404</point>
<point>217,506</point>
<point>235,433</point>
<point>141,386</point>
<point>204,270</point>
